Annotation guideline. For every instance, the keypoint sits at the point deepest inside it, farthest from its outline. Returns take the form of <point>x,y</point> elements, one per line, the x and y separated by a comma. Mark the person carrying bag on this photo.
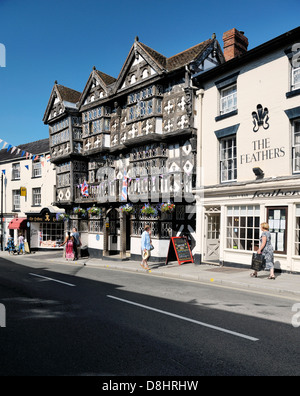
<point>264,257</point>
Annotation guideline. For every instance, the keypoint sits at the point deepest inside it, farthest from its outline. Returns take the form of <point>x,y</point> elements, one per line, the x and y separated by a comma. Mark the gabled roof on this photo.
<point>187,56</point>
<point>68,94</point>
<point>65,95</point>
<point>285,39</point>
<point>159,62</point>
<point>104,80</point>
<point>37,147</point>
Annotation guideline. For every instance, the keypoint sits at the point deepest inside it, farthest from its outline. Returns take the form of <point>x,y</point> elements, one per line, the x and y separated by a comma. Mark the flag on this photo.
<point>84,189</point>
<point>124,187</point>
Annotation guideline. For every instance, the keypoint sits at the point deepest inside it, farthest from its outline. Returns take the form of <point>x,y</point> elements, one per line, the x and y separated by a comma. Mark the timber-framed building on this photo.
<point>129,142</point>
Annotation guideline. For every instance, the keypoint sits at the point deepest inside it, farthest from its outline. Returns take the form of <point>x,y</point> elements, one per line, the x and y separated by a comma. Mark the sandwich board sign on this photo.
<point>179,249</point>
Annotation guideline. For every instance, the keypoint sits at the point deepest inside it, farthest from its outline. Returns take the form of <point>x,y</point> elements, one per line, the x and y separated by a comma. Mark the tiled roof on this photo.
<point>105,77</point>
<point>178,60</point>
<point>159,58</point>
<point>68,94</point>
<point>187,56</point>
<point>37,147</point>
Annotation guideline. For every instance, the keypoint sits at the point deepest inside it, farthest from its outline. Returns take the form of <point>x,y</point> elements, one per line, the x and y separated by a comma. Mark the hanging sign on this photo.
<point>179,249</point>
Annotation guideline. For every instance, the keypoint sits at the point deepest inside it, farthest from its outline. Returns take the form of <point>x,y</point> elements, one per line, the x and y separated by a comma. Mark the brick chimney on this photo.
<point>235,44</point>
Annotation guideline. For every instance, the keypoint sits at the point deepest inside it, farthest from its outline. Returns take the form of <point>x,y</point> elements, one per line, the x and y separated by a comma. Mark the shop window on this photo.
<point>51,235</point>
<point>243,227</point>
<point>277,220</point>
<point>228,159</point>
<point>297,231</point>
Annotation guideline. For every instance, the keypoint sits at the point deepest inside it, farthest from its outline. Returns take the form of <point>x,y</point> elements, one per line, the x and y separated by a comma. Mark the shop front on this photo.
<point>232,218</point>
<point>16,226</point>
<point>46,229</point>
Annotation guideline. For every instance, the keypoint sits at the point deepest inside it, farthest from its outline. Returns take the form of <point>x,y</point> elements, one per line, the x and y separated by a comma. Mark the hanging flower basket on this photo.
<point>148,210</point>
<point>167,207</point>
<point>62,217</point>
<point>81,212</point>
<point>128,208</point>
<point>94,211</point>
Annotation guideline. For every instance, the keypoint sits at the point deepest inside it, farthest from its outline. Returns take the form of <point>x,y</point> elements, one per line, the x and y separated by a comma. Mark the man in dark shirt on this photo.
<point>76,243</point>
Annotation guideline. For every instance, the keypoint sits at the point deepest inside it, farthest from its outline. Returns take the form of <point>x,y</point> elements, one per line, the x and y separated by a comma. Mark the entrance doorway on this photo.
<point>212,236</point>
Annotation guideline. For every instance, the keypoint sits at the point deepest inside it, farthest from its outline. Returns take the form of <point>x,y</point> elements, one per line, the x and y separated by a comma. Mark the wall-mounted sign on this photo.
<point>276,193</point>
<point>262,151</point>
<point>23,191</point>
<point>260,118</point>
<point>43,217</point>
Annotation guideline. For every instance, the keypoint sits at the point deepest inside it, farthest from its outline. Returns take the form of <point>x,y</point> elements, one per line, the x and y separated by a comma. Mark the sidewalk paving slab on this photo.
<point>286,284</point>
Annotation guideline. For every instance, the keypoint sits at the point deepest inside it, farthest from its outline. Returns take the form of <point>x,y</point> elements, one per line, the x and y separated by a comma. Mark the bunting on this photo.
<point>23,153</point>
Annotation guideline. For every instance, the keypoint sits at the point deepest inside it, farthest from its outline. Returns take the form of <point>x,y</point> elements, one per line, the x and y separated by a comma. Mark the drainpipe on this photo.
<point>199,194</point>
<point>199,94</point>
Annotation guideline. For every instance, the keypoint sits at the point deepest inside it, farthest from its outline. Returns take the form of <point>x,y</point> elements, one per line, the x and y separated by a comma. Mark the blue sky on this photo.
<point>63,39</point>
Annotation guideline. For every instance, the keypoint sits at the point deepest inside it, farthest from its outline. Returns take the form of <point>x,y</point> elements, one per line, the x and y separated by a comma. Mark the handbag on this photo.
<point>258,262</point>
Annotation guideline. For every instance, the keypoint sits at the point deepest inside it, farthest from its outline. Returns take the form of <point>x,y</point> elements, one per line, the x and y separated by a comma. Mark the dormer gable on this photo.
<point>141,63</point>
<point>61,100</point>
<point>98,86</point>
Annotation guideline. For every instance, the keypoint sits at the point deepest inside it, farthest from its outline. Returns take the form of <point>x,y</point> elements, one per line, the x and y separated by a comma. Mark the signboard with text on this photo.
<point>179,249</point>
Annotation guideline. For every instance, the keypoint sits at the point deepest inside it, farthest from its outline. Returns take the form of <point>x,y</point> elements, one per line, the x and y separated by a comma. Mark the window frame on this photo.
<point>222,160</point>
<point>15,194</point>
<point>295,146</point>
<point>36,194</point>
<point>16,167</point>
<point>35,168</point>
<point>239,228</point>
<point>281,208</point>
<point>233,108</point>
<point>295,87</point>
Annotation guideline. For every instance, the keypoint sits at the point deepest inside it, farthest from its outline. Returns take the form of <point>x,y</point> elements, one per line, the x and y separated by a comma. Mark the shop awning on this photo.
<point>17,223</point>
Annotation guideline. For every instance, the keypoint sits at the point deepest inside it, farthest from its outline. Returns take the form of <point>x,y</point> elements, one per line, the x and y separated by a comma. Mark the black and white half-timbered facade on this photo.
<point>124,147</point>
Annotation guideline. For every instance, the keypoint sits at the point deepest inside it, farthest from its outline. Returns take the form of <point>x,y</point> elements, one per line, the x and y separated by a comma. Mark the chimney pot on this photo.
<point>235,44</point>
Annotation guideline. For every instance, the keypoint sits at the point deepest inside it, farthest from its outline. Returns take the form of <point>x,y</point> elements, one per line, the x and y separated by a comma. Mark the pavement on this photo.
<point>285,284</point>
